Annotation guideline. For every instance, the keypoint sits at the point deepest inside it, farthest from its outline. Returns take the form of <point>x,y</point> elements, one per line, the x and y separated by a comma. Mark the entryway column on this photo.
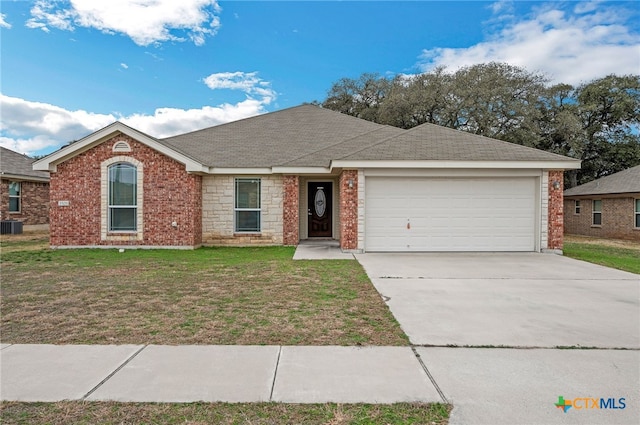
<point>349,209</point>
<point>556,215</point>
<point>291,210</point>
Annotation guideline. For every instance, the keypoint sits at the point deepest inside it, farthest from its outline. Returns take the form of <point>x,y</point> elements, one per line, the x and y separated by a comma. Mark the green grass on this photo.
<point>207,296</point>
<point>90,413</point>
<point>627,259</point>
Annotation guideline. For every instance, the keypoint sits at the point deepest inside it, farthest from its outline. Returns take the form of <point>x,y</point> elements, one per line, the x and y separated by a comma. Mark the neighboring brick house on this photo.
<point>607,208</point>
<point>24,193</point>
<point>304,173</point>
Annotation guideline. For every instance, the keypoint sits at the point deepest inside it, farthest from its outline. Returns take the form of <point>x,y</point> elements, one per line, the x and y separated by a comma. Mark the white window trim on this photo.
<point>594,212</point>
<point>236,209</point>
<point>577,207</point>
<point>637,212</point>
<point>105,234</point>
<point>19,211</point>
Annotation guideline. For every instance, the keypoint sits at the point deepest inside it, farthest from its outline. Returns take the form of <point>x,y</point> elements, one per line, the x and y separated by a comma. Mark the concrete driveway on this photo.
<point>528,300</point>
<point>508,299</point>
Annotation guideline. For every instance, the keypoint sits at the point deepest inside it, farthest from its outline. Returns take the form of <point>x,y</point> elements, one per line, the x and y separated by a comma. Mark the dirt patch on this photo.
<point>615,243</point>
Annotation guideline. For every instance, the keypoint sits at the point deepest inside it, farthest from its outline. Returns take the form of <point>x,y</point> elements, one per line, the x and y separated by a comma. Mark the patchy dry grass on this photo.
<point>619,254</point>
<point>207,296</point>
<point>222,413</point>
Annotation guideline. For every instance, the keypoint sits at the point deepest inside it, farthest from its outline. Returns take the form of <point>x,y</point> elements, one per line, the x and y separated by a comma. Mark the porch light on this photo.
<point>350,183</point>
<point>556,184</point>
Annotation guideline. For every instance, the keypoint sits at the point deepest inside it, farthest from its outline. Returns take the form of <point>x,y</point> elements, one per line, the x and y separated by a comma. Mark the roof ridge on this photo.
<point>383,127</point>
<point>224,124</point>
<point>386,139</point>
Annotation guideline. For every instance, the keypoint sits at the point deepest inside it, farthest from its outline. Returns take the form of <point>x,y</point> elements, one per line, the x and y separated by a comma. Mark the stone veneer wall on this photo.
<point>218,212</point>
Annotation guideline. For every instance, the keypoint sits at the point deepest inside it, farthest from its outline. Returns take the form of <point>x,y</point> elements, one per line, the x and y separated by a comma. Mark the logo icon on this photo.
<point>563,404</point>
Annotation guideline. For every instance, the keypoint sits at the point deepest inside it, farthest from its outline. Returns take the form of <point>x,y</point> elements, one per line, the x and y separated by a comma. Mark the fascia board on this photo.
<point>24,178</point>
<point>240,171</point>
<point>50,162</point>
<point>547,165</point>
<point>301,170</point>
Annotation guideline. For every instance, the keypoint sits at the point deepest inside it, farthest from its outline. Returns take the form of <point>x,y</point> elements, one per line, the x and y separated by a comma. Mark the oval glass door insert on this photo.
<point>320,202</point>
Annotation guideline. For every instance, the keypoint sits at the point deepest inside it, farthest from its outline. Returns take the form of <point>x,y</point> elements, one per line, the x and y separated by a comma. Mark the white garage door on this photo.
<point>432,214</point>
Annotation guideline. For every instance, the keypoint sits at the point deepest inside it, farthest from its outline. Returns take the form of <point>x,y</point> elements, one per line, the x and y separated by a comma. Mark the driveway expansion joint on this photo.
<point>431,378</point>
<point>109,376</point>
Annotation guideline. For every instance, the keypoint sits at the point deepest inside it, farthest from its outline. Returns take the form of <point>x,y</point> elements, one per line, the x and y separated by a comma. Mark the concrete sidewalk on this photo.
<point>485,385</point>
<point>154,373</point>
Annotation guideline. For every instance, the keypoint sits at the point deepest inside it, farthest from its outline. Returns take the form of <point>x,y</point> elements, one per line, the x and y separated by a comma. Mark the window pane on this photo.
<point>597,206</point>
<point>14,204</point>
<point>123,219</point>
<point>122,185</point>
<point>247,193</point>
<point>597,219</point>
<point>247,221</point>
<point>638,205</point>
<point>14,189</point>
<point>638,220</point>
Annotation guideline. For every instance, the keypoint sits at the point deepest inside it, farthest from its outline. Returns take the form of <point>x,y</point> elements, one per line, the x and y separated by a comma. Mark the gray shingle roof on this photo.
<point>309,136</point>
<point>433,142</point>
<point>17,165</point>
<point>271,139</point>
<point>625,181</point>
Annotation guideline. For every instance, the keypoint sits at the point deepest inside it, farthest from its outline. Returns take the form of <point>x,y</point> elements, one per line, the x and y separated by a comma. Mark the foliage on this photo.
<point>597,122</point>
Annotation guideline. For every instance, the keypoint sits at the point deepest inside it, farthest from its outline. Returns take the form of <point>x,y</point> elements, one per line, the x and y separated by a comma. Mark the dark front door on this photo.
<point>320,210</point>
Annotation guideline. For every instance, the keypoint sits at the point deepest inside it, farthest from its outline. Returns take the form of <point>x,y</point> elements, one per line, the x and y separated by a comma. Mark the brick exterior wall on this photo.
<point>291,210</point>
<point>348,210</point>
<point>34,202</point>
<point>218,212</point>
<point>170,194</point>
<point>555,224</point>
<point>618,218</point>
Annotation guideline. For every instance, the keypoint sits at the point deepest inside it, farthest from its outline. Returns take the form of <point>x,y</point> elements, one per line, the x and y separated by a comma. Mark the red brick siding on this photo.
<point>618,218</point>
<point>291,210</point>
<point>348,210</point>
<point>34,202</point>
<point>556,226</point>
<point>169,194</point>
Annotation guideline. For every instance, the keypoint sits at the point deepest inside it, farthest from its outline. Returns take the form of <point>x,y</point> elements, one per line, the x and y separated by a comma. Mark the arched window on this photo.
<point>122,198</point>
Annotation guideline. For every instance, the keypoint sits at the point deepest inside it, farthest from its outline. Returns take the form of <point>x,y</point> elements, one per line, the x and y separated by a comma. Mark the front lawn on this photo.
<point>623,255</point>
<point>223,413</point>
<point>241,296</point>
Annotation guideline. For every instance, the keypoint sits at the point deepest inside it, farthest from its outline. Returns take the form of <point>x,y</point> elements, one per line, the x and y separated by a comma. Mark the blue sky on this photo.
<point>69,68</point>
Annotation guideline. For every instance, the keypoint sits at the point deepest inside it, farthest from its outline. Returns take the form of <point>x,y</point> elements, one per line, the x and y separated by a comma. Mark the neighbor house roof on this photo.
<point>17,166</point>
<point>626,181</point>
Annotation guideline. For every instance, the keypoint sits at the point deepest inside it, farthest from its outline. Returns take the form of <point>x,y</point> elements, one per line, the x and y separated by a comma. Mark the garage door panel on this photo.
<point>422,214</point>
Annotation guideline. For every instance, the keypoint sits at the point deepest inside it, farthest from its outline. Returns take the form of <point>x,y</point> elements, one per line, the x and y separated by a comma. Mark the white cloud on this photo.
<point>144,21</point>
<point>166,122</point>
<point>3,21</point>
<point>248,82</point>
<point>570,46</point>
<point>124,65</point>
<point>34,127</point>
